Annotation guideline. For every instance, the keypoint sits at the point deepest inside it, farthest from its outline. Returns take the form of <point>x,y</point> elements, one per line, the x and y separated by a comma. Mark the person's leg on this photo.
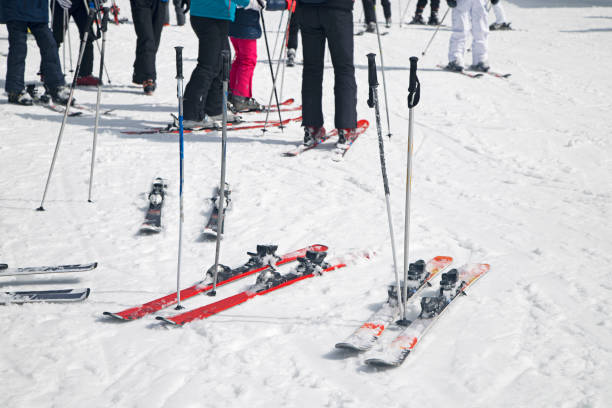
<point>313,51</point>
<point>142,15</point>
<point>368,11</point>
<point>213,104</point>
<point>80,15</point>
<point>57,25</point>
<point>180,16</point>
<point>211,43</point>
<point>386,5</point>
<point>480,33</point>
<point>294,27</point>
<point>243,67</point>
<point>338,26</point>
<point>500,15</point>
<point>461,26</point>
<point>50,63</point>
<point>158,26</point>
<point>15,62</point>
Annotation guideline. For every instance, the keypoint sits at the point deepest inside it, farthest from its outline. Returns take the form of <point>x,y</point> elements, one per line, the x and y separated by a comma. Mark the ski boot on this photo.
<point>22,98</point>
<point>500,27</point>
<point>149,87</point>
<point>480,67</point>
<point>345,136</point>
<point>244,104</point>
<point>417,19</point>
<point>313,135</point>
<point>371,28</point>
<point>291,57</point>
<point>60,95</point>
<point>454,66</point>
<point>433,19</point>
<point>388,22</point>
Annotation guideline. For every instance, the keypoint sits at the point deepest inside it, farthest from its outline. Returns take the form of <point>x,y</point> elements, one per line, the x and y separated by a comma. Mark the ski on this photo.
<point>361,124</point>
<point>152,222</point>
<point>244,125</point>
<point>452,284</point>
<point>213,220</point>
<point>340,151</point>
<point>34,270</point>
<point>310,265</point>
<point>420,276</point>
<point>254,265</point>
<point>498,75</point>
<point>468,74</point>
<point>54,296</point>
<point>286,102</point>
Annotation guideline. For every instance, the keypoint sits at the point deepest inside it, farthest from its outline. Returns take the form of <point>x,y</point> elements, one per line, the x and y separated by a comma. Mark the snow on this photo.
<point>513,172</point>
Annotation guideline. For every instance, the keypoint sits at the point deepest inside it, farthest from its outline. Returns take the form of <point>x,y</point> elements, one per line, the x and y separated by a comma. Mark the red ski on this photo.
<point>230,127</point>
<point>260,288</point>
<point>203,286</point>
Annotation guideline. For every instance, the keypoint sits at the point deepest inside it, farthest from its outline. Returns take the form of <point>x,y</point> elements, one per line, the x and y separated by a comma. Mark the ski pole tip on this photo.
<point>212,293</point>
<point>40,208</point>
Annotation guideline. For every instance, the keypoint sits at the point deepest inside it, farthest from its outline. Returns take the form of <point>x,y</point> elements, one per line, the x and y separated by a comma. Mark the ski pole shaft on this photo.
<point>67,20</point>
<point>435,32</point>
<point>278,31</point>
<point>403,15</point>
<point>90,20</point>
<point>103,27</point>
<point>414,90</point>
<point>221,204</point>
<point>263,23</point>
<point>373,103</point>
<point>382,68</point>
<point>179,94</point>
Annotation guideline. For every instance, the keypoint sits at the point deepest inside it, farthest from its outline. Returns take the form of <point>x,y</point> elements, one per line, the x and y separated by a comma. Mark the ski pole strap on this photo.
<point>226,66</point>
<point>179,62</point>
<point>372,78</point>
<point>414,87</point>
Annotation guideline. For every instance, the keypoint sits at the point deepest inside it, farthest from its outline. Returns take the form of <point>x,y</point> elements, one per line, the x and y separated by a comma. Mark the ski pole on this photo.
<point>399,8</point>
<point>278,31</point>
<point>64,43</point>
<point>382,68</point>
<point>414,94</point>
<point>435,32</point>
<point>103,27</point>
<point>263,23</point>
<point>179,94</point>
<point>103,65</point>
<point>90,19</point>
<point>373,103</point>
<point>67,32</point>
<point>403,16</point>
<point>226,69</point>
<point>275,76</point>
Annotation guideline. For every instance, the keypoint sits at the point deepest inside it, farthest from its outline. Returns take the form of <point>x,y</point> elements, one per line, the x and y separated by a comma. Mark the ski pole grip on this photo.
<point>372,79</point>
<point>104,26</point>
<point>179,62</point>
<point>413,77</point>
<point>226,65</point>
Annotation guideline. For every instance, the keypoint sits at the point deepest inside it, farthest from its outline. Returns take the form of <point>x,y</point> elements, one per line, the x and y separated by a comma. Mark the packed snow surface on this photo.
<point>513,172</point>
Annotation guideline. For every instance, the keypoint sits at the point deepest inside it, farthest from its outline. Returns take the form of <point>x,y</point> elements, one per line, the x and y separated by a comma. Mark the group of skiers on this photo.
<point>216,23</point>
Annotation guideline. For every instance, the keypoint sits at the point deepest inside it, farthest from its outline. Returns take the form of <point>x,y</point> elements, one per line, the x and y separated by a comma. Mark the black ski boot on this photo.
<point>433,19</point>
<point>22,98</point>
<point>480,67</point>
<point>313,135</point>
<point>291,57</point>
<point>370,28</point>
<point>417,19</point>
<point>60,95</point>
<point>454,66</point>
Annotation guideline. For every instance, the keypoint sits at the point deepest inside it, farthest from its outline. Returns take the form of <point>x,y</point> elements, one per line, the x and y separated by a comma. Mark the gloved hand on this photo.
<point>185,5</point>
<point>451,3</point>
<point>291,5</point>
<point>65,4</point>
<point>256,5</point>
<point>494,1</point>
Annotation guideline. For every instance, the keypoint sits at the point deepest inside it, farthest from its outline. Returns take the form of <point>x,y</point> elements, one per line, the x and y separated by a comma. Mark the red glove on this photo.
<point>291,5</point>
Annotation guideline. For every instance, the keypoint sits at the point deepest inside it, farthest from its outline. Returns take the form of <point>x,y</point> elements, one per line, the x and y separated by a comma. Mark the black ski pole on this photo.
<point>373,103</point>
<point>263,23</point>
<point>90,19</point>
<point>382,68</point>
<point>403,16</point>
<point>179,94</point>
<point>221,204</point>
<point>103,27</point>
<point>414,95</point>
<point>435,32</point>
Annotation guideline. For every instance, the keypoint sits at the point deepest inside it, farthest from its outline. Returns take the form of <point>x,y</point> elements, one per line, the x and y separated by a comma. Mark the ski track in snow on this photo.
<point>513,172</point>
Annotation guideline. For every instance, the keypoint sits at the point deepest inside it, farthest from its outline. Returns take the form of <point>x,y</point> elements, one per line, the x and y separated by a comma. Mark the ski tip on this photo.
<point>94,265</point>
<point>166,320</point>
<point>380,363</point>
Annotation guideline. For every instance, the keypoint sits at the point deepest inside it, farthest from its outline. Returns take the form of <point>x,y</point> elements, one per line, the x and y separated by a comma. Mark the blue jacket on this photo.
<point>31,11</point>
<point>246,25</point>
<point>217,9</point>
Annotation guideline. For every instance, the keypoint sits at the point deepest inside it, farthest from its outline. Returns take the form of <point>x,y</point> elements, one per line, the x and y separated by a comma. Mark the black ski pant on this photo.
<point>294,28</point>
<point>79,12</point>
<point>18,49</point>
<point>435,6</point>
<point>148,16</point>
<point>319,24</point>
<point>204,91</point>
<point>180,16</point>
<point>370,14</point>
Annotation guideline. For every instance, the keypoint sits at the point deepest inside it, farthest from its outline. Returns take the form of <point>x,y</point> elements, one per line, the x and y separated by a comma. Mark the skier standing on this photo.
<point>370,14</point>
<point>79,13</point>
<point>203,101</point>
<point>33,14</point>
<point>148,16</point>
<point>433,16</point>
<point>330,20</point>
<point>501,22</point>
<point>468,13</point>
